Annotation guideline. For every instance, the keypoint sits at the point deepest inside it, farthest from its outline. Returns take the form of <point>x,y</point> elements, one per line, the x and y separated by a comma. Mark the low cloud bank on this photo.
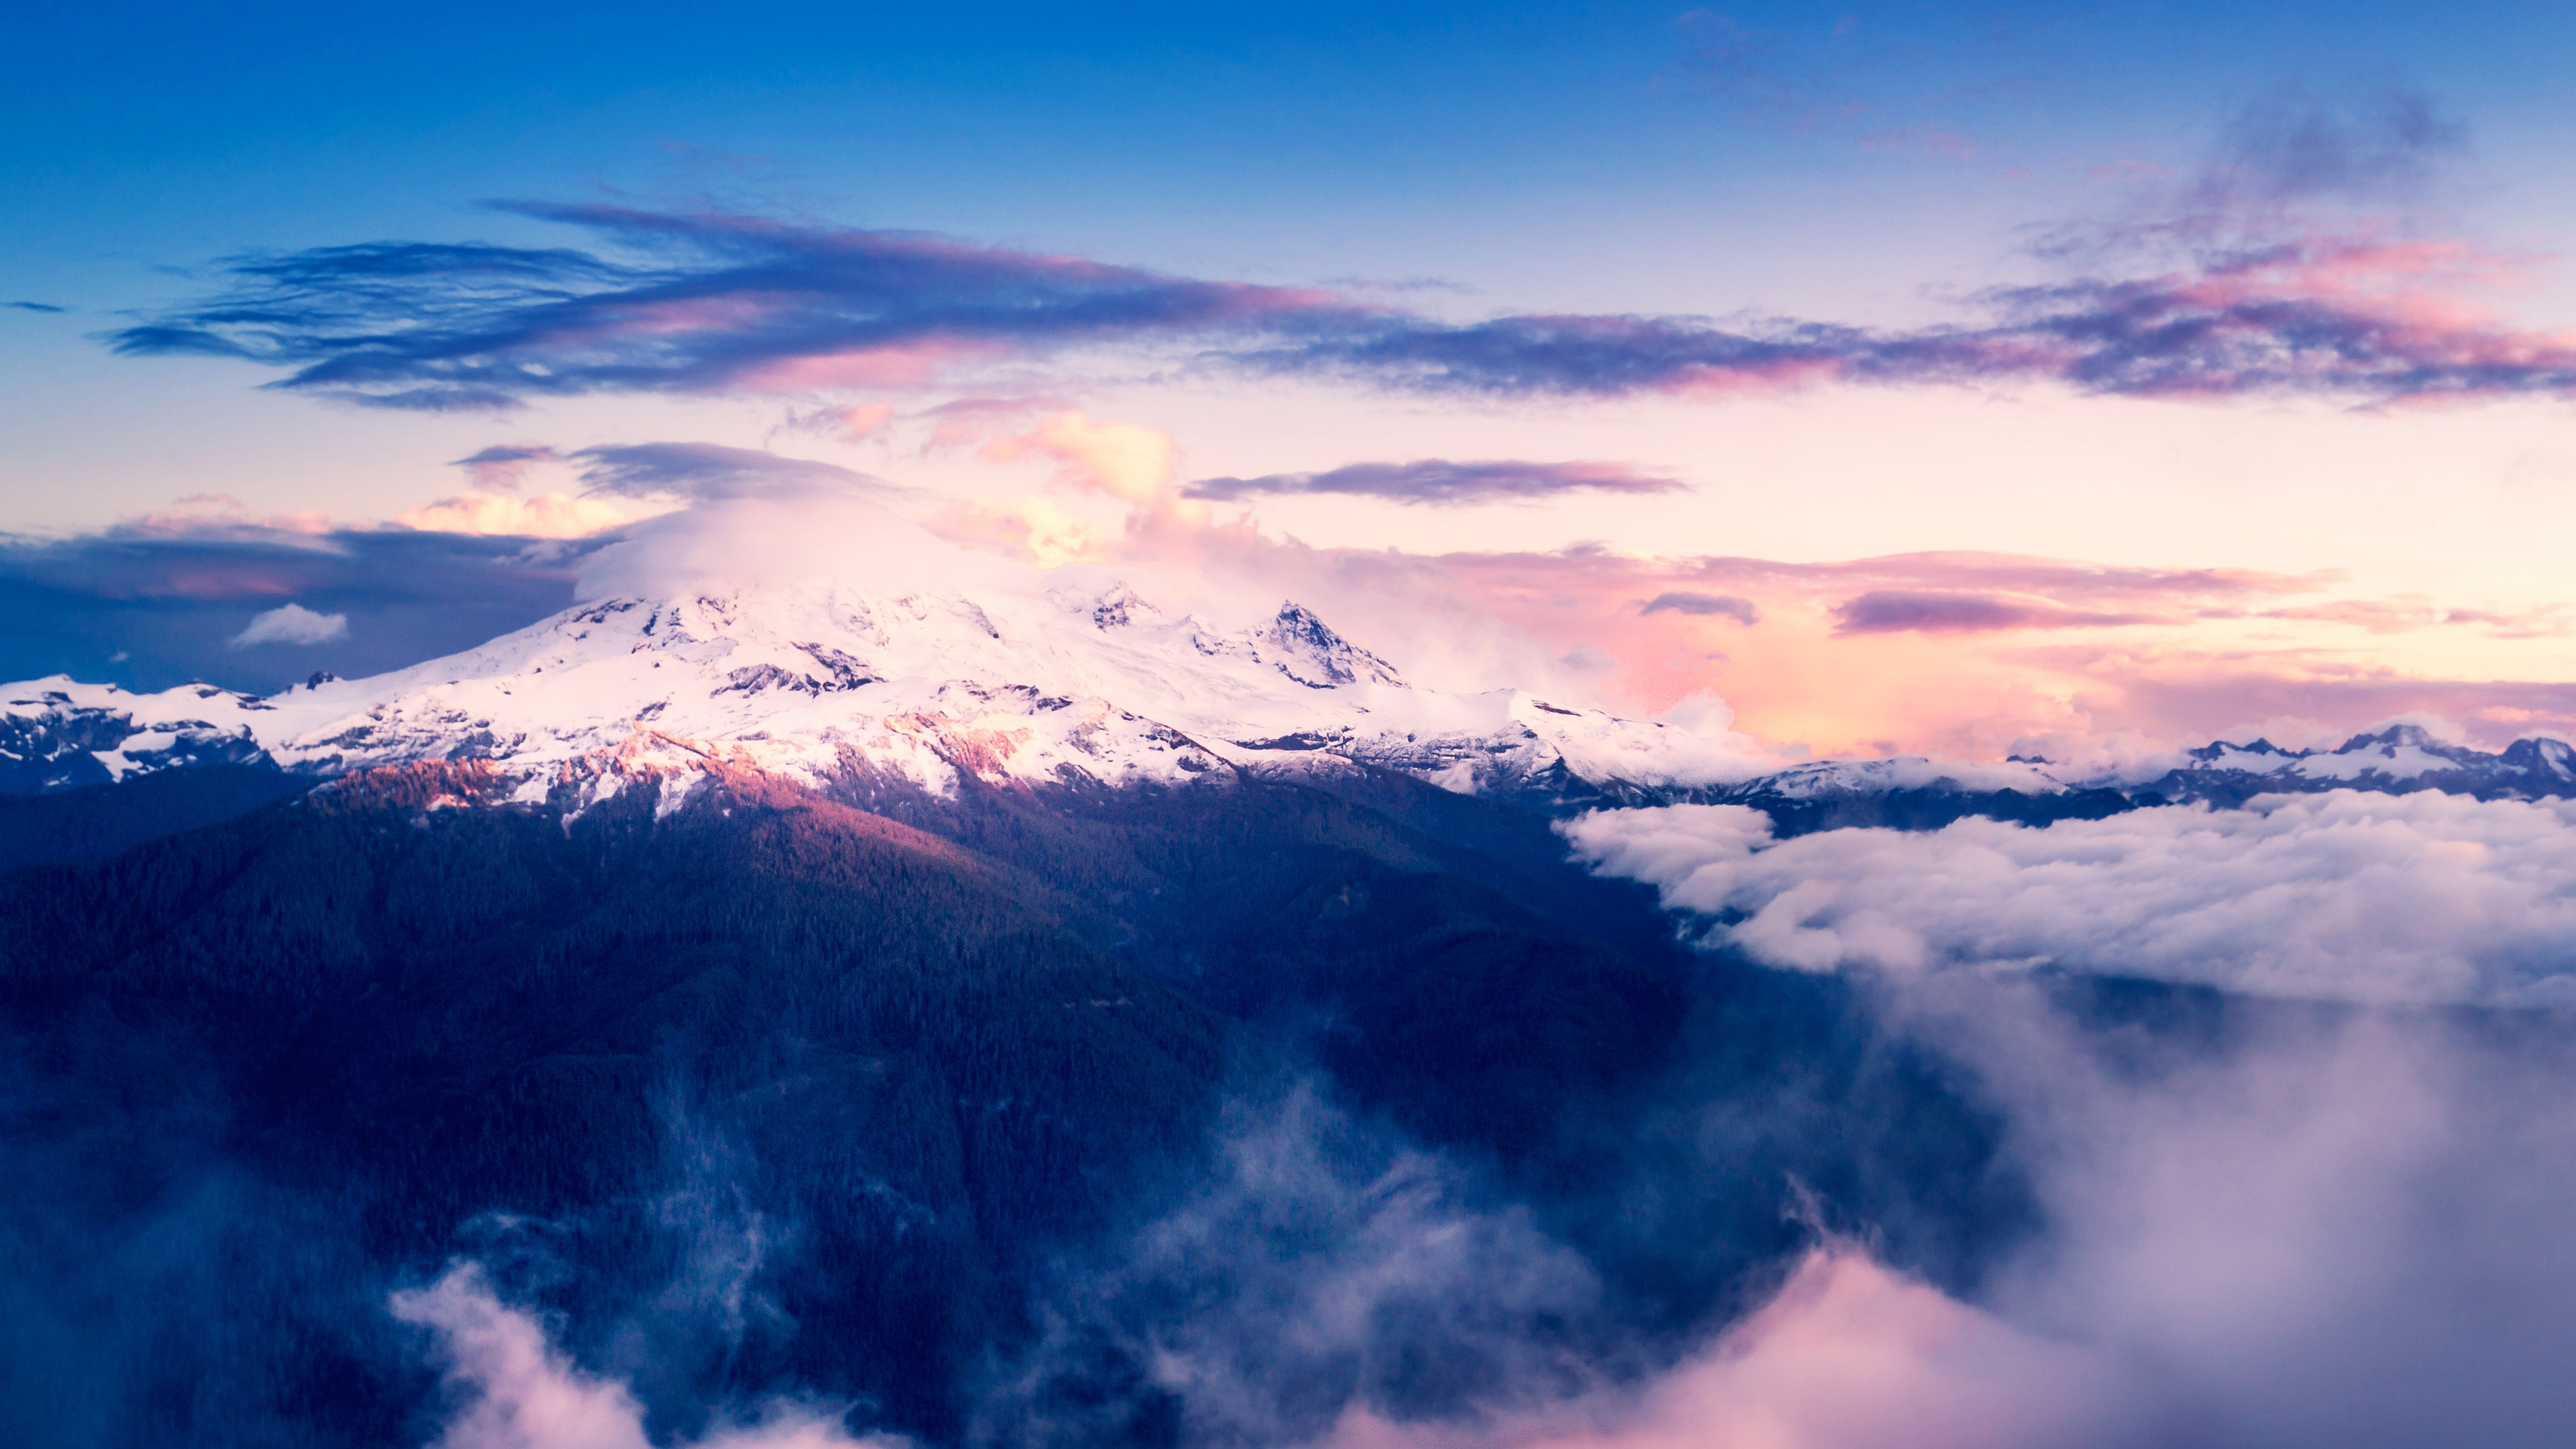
<point>2302,1228</point>
<point>521,1392</point>
<point>2346,896</point>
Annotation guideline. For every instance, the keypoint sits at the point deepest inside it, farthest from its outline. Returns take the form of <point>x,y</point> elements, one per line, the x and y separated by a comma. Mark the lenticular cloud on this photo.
<point>2425,898</point>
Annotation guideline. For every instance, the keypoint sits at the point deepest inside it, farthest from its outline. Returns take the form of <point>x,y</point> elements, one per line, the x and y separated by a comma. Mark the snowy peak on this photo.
<point>2400,757</point>
<point>2552,761</point>
<point>1829,778</point>
<point>1014,681</point>
<point>1119,607</point>
<point>58,734</point>
<point>1915,793</point>
<point>1304,648</point>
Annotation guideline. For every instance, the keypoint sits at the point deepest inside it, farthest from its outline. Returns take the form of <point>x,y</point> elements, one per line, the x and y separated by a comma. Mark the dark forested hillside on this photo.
<point>100,821</point>
<point>771,1093</point>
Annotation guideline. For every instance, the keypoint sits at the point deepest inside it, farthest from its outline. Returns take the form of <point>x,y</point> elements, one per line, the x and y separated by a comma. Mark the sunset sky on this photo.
<point>1967,381</point>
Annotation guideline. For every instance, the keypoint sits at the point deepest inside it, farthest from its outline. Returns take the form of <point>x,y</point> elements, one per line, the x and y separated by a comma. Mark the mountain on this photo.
<point>831,988</point>
<point>779,982</point>
<point>1011,679</point>
<point>714,1037</point>
<point>909,681</point>
<point>2396,760</point>
<point>1913,793</point>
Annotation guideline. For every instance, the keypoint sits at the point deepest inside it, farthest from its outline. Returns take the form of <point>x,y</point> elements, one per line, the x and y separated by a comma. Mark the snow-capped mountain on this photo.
<point>1914,792</point>
<point>892,658</point>
<point>58,734</point>
<point>1017,679</point>
<point>2398,759</point>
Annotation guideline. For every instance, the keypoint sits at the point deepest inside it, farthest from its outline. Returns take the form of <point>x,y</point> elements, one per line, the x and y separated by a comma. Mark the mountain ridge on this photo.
<point>1030,681</point>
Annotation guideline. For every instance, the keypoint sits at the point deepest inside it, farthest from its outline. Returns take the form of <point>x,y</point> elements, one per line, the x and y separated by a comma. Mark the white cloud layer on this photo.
<point>293,624</point>
<point>2423,898</point>
<point>2347,1234</point>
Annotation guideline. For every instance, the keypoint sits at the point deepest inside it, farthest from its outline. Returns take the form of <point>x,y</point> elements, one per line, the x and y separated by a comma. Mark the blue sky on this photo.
<point>1736,177</point>
<point>1467,145</point>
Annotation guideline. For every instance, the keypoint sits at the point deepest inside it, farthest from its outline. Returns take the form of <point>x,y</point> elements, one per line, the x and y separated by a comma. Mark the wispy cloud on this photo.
<point>701,302</point>
<point>2296,145</point>
<point>694,302</point>
<point>1437,480</point>
<point>505,465</point>
<point>710,471</point>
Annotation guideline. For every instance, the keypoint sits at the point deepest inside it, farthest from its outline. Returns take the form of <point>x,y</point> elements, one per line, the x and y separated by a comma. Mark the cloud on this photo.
<point>1889,611</point>
<point>211,515</point>
<point>2345,896</point>
<point>34,306</point>
<point>548,515</point>
<point>1718,606</point>
<point>292,623</point>
<point>1846,1355</point>
<point>1439,481</point>
<point>1124,460</point>
<point>2296,145</point>
<point>173,600</point>
<point>711,302</point>
<point>505,465</point>
<point>694,302</point>
<point>708,471</point>
<point>966,420</point>
<point>520,1392</point>
<point>1317,1262</point>
<point>782,536</point>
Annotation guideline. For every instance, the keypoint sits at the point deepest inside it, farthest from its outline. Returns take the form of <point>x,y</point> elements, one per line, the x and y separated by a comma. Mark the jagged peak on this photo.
<point>1118,607</point>
<point>2259,745</point>
<point>1306,649</point>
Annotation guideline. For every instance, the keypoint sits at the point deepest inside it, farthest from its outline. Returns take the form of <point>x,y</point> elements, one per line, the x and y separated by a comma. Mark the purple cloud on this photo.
<point>1720,606</point>
<point>505,465</point>
<point>1437,480</point>
<point>706,471</point>
<point>716,303</point>
<point>696,303</point>
<point>153,607</point>
<point>1923,611</point>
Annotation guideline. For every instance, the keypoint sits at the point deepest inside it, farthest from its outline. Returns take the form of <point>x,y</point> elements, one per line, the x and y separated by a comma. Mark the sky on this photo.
<point>1951,380</point>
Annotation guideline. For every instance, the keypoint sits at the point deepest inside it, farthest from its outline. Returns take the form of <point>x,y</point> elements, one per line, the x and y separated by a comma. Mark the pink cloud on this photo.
<point>548,515</point>
<point>911,365</point>
<point>1128,461</point>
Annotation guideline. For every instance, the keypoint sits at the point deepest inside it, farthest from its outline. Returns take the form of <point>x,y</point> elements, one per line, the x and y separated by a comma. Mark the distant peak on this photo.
<point>1305,648</point>
<point>1119,607</point>
<point>2401,735</point>
<point>2219,749</point>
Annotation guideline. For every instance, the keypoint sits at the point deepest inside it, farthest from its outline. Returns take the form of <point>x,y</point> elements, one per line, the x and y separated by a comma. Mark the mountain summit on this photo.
<point>1009,675</point>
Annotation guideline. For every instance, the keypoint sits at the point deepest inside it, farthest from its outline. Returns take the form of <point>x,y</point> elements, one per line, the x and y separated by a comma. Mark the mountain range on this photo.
<point>1027,680</point>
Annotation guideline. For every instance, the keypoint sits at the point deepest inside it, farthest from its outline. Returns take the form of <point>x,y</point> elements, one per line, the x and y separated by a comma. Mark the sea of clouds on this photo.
<point>2346,896</point>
